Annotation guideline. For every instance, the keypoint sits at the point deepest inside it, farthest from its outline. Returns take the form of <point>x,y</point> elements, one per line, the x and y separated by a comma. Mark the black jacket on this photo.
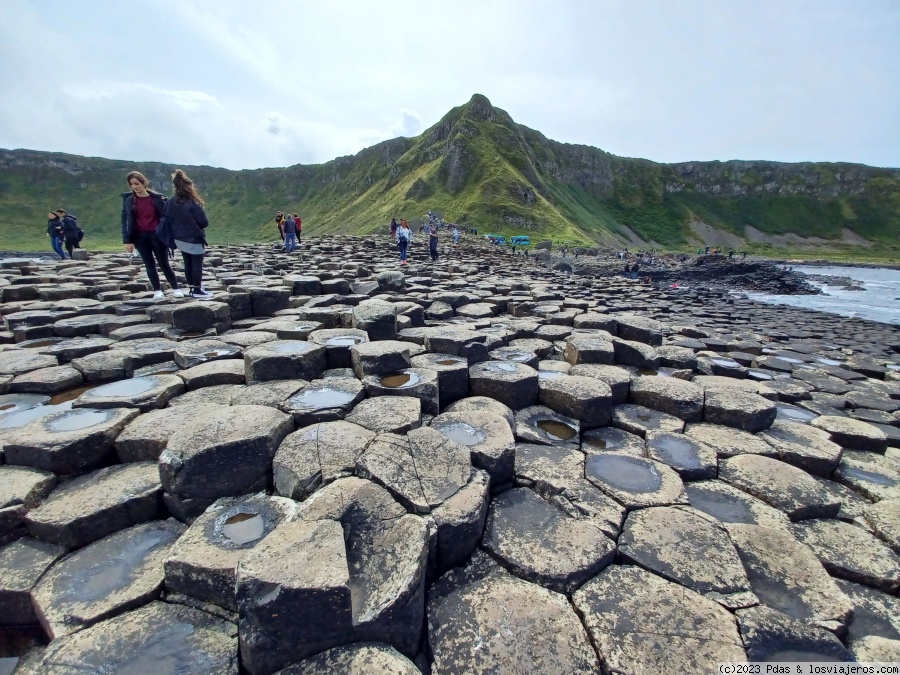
<point>159,203</point>
<point>70,228</point>
<point>187,221</point>
<point>54,227</point>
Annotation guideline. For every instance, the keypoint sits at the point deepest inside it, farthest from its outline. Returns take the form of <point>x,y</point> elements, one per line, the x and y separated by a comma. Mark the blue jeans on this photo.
<point>57,244</point>
<point>403,244</point>
<point>290,241</point>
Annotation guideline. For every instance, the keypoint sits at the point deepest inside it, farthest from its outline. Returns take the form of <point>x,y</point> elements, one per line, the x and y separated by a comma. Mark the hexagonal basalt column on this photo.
<point>513,384</point>
<point>284,360</point>
<point>419,382</point>
<point>143,393</point>
<point>324,400</point>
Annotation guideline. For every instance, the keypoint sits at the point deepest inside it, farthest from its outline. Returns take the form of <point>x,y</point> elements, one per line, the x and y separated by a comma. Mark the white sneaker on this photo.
<point>177,293</point>
<point>159,295</point>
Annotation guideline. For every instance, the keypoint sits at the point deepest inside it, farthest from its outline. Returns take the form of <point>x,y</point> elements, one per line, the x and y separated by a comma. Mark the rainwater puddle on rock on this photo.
<point>676,451</point>
<point>132,387</point>
<point>725,363</point>
<point>343,341</point>
<point>400,380</point>
<point>14,420</point>
<point>868,476</point>
<point>550,374</point>
<point>165,652</point>
<point>290,348</point>
<point>10,403</point>
<point>517,356</point>
<point>242,528</point>
<point>607,438</point>
<point>501,368</point>
<point>725,508</point>
<point>321,397</point>
<point>158,369</point>
<point>448,362</point>
<point>829,362</point>
<point>790,359</point>
<point>630,474</point>
<point>794,413</point>
<point>82,418</point>
<point>557,431</point>
<point>218,352</point>
<point>32,344</point>
<point>71,394</point>
<point>756,374</point>
<point>462,433</point>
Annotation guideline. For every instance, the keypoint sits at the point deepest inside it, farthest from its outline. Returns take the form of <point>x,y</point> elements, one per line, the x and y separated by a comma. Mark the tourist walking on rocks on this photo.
<point>290,233</point>
<point>433,242</point>
<point>299,225</point>
<point>70,231</point>
<point>279,223</point>
<point>404,236</point>
<point>187,222</point>
<point>54,231</point>
<point>394,228</point>
<point>142,209</point>
<point>455,234</point>
<point>634,271</point>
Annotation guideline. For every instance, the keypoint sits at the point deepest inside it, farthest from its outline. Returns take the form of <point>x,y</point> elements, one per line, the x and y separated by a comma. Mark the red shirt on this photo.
<point>145,217</point>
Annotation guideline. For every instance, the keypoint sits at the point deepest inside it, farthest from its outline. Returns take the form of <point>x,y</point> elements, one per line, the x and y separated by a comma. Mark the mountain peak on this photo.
<point>480,108</point>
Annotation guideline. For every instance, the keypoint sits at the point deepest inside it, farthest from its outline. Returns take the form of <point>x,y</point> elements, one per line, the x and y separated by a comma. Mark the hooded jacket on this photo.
<point>54,227</point>
<point>159,203</point>
<point>186,220</point>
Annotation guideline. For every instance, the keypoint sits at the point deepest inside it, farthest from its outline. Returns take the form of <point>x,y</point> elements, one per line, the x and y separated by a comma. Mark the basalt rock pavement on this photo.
<point>478,465</point>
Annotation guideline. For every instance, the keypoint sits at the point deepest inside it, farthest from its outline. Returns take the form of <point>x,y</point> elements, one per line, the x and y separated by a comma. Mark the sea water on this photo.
<point>880,301</point>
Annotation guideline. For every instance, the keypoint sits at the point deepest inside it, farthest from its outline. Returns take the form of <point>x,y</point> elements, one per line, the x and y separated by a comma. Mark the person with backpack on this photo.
<point>404,237</point>
<point>54,231</point>
<point>72,234</point>
<point>433,242</point>
<point>142,209</point>
<point>299,224</point>
<point>187,222</point>
<point>290,233</point>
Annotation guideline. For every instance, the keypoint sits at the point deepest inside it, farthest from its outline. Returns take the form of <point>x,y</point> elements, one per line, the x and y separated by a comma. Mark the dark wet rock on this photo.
<point>634,482</point>
<point>383,414</point>
<point>22,564</point>
<point>284,359</point>
<point>471,610</point>
<point>637,354</point>
<point>587,399</point>
<point>421,470</point>
<point>637,419</point>
<point>781,485</point>
<point>146,437</point>
<point>688,548</point>
<point>198,461</point>
<point>452,372</point>
<point>68,441</point>
<point>786,575</point>
<point>487,436</point>
<point>92,506</point>
<point>106,578</point>
<point>803,446</point>
<point>642,623</point>
<point>611,439</point>
<point>350,535</point>
<point>203,563</point>
<point>458,342</point>
<point>377,318</point>
<point>851,553</point>
<point>740,409</point>
<point>324,401</point>
<point>143,393</point>
<point>638,328</point>
<point>418,382</point>
<point>338,343</point>
<point>198,316</point>
<point>770,635</point>
<point>884,519</point>
<point>513,384</point>
<point>379,358</point>
<point>541,425</point>
<point>317,455</point>
<point>851,433</point>
<point>691,459</point>
<point>363,658</point>
<point>669,395</point>
<point>728,441</point>
<point>159,638</point>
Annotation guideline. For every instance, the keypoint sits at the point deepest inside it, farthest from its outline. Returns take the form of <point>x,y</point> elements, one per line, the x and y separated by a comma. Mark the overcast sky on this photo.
<point>247,84</point>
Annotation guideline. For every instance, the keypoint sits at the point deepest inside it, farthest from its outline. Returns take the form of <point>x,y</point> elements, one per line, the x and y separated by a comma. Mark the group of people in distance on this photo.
<point>402,234</point>
<point>289,229</point>
<point>63,230</point>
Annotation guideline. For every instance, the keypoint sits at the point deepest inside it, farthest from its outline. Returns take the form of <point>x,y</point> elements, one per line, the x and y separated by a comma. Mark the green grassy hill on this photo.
<point>478,167</point>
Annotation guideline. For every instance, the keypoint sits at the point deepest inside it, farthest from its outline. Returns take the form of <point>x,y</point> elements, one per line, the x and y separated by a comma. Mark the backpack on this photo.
<point>80,234</point>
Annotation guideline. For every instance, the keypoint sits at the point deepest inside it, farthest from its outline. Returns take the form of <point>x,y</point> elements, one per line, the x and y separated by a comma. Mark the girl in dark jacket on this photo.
<point>187,222</point>
<point>54,231</point>
<point>142,210</point>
